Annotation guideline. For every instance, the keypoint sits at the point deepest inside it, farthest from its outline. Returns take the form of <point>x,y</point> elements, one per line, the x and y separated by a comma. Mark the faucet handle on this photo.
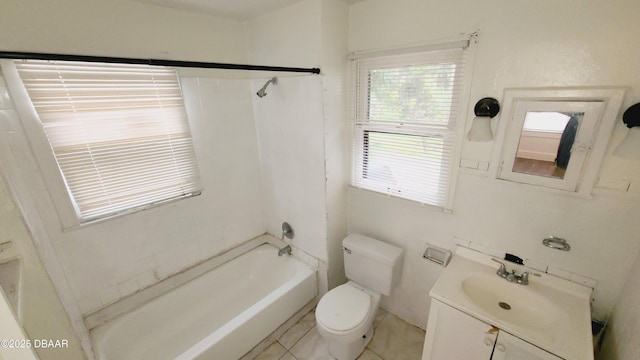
<point>287,231</point>
<point>503,269</point>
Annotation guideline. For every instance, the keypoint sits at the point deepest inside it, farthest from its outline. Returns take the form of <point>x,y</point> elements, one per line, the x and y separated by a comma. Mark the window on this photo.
<point>119,133</point>
<point>546,122</point>
<point>405,114</point>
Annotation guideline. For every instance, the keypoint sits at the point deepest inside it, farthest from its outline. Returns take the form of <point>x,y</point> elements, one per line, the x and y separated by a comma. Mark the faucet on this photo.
<point>522,279</point>
<point>287,231</point>
<point>285,250</point>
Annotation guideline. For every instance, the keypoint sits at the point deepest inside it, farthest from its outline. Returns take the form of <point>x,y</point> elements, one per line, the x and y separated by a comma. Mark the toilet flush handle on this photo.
<point>346,250</point>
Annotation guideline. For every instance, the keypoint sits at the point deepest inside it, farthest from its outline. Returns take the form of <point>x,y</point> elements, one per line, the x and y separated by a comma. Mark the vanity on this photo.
<point>477,315</point>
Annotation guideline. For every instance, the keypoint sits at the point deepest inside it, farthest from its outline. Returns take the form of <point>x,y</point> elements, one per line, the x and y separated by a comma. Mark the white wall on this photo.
<point>286,37</point>
<point>622,336</point>
<point>118,28</point>
<point>334,26</point>
<point>521,44</point>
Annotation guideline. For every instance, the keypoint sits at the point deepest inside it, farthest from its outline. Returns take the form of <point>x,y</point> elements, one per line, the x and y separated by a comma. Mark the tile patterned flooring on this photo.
<point>393,339</point>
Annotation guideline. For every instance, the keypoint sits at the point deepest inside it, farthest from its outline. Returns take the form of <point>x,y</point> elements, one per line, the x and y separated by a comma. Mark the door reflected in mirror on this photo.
<point>544,148</point>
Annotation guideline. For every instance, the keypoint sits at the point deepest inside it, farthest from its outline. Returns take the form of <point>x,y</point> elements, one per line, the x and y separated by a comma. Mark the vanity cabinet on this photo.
<point>452,335</point>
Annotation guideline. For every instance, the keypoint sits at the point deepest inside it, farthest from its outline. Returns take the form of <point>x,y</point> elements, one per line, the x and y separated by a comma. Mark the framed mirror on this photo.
<point>555,138</point>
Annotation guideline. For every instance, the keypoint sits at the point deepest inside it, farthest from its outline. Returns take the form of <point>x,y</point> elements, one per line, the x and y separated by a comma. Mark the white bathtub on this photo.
<point>219,315</point>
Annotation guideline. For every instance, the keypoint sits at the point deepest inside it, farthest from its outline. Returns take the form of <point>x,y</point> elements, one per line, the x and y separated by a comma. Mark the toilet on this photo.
<point>344,315</point>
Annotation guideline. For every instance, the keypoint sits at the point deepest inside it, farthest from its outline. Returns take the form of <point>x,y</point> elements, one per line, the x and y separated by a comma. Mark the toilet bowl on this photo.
<point>344,318</point>
<point>344,315</point>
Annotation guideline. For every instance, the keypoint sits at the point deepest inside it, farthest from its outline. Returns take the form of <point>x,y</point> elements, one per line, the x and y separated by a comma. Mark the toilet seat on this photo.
<point>344,308</point>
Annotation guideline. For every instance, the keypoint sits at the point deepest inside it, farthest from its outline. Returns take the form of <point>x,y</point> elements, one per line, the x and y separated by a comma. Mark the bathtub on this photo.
<point>219,315</point>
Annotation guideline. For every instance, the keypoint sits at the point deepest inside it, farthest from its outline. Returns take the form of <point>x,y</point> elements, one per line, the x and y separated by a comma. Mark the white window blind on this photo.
<point>405,117</point>
<point>119,133</point>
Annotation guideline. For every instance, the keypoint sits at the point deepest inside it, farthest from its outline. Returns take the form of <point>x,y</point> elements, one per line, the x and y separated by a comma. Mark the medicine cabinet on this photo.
<point>555,137</point>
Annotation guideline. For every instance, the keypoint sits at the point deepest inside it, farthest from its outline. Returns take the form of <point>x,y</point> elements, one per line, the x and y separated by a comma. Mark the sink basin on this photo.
<point>510,302</point>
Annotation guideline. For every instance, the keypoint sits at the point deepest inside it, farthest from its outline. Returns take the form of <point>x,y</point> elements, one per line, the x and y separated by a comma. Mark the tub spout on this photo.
<point>285,250</point>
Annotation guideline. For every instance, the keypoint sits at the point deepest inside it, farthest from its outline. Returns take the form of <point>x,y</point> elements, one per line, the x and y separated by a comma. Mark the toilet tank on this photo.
<point>372,263</point>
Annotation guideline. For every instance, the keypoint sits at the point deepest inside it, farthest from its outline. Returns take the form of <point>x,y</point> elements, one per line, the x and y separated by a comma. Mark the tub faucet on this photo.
<point>522,279</point>
<point>285,250</point>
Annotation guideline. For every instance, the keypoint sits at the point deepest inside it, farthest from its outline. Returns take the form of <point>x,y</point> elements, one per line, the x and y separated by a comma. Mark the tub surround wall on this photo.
<point>307,128</point>
<point>518,46</point>
<point>288,121</point>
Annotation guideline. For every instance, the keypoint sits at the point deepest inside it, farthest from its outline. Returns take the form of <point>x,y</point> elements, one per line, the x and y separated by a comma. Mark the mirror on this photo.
<point>544,148</point>
<point>555,137</point>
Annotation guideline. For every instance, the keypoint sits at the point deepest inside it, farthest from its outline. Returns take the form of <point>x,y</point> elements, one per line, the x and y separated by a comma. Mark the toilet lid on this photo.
<point>343,308</point>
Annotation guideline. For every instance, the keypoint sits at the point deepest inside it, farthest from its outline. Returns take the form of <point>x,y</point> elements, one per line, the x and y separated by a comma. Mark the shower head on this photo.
<point>263,91</point>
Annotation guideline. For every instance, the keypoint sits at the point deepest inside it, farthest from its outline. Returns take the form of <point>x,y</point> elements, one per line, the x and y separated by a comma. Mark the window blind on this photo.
<point>405,110</point>
<point>119,133</point>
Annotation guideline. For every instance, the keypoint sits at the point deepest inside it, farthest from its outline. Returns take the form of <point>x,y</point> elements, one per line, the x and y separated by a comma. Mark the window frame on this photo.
<point>54,180</point>
<point>456,124</point>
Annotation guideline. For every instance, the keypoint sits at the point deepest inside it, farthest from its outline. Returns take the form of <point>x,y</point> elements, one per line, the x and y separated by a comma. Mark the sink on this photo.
<point>510,302</point>
<point>551,313</point>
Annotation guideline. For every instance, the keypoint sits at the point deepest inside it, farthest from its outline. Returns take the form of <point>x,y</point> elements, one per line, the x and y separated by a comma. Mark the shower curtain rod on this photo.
<point>152,62</point>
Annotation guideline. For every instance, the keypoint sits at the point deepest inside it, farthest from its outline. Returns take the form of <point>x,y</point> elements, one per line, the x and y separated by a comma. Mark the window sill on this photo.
<point>398,199</point>
<point>114,216</point>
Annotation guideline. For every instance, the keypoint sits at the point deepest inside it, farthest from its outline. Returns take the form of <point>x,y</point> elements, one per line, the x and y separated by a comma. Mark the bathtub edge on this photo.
<point>133,301</point>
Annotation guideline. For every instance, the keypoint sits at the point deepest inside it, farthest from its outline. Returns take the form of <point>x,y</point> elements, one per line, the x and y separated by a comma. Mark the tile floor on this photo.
<point>393,339</point>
